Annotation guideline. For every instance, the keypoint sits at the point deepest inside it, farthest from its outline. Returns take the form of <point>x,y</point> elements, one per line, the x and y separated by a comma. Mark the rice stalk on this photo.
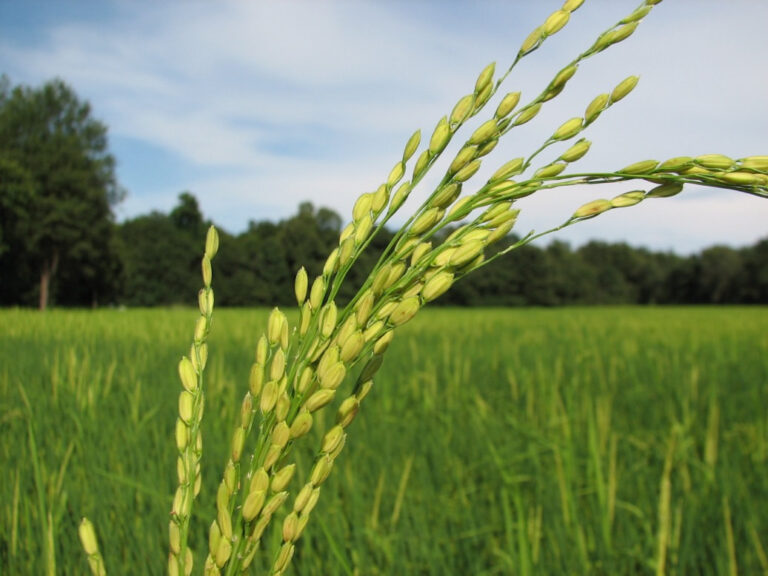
<point>300,371</point>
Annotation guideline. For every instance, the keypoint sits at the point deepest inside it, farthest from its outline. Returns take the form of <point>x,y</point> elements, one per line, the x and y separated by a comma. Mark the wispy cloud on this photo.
<point>266,104</point>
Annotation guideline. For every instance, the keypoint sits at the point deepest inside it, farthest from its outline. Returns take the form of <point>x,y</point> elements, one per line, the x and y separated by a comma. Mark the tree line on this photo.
<point>59,242</point>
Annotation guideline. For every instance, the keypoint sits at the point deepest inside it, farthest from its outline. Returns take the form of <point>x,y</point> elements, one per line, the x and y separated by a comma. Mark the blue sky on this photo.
<point>257,106</point>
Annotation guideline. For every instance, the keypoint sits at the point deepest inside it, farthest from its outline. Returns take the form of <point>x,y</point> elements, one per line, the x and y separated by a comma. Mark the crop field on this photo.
<point>495,441</point>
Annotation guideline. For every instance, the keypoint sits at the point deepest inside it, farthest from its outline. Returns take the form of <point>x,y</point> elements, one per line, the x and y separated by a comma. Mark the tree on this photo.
<point>50,134</point>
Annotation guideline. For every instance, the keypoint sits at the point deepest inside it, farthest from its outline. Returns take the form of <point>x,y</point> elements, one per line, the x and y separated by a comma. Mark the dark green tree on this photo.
<point>51,135</point>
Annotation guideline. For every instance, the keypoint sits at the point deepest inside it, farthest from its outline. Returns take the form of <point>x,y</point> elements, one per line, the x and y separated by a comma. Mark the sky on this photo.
<point>257,106</point>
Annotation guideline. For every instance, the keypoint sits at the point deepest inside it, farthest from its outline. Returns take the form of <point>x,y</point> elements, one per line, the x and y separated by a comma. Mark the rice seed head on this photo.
<point>329,358</point>
<point>174,537</point>
<point>550,171</point>
<point>206,271</point>
<point>421,165</point>
<point>259,481</point>
<point>424,222</point>
<point>556,21</point>
<point>347,411</point>
<point>346,251</point>
<point>317,293</point>
<point>182,435</point>
<point>466,253</point>
<point>665,190</point>
<point>352,347</point>
<point>507,104</point>
<point>568,129</point>
<point>274,503</point>
<point>211,243</point>
<point>642,167</point>
<point>483,96</point>
<point>301,425</point>
<point>363,390</point>
<point>223,552</point>
<point>527,114</point>
<point>277,366</point>
<point>268,397</point>
<point>400,196</point>
<point>382,343</point>
<point>214,537</point>
<point>256,379</point>
<point>312,501</point>
<point>465,155</point>
<point>275,326</point>
<point>440,137</point>
<point>755,163</point>
<point>638,14</point>
<point>467,172</point>
<point>87,536</point>
<point>364,306</point>
<point>501,231</point>
<point>262,350</point>
<point>319,399</point>
<point>373,330</point>
<point>187,374</point>
<point>332,439</point>
<point>205,301</point>
<point>508,170</point>
<point>562,77</point>
<point>623,88</point>
<point>283,558</point>
<point>186,407</point>
<point>363,229</point>
<point>238,440</point>
<point>485,77</point>
<point>302,497</point>
<point>714,162</point>
<point>321,470</point>
<point>283,405</point>
<point>282,478</point>
<point>628,199</point>
<point>290,524</point>
<point>396,174</point>
<point>404,311</point>
<point>254,502</point>
<point>572,5</point>
<point>462,109</point>
<point>201,327</point>
<point>411,146</point>
<point>577,151</point>
<point>362,207</point>
<point>436,286</point>
<point>331,263</point>
<point>531,42</point>
<point>595,107</point>
<point>742,178</point>
<point>614,36</point>
<point>199,359</point>
<point>380,198</point>
<point>333,377</point>
<point>591,209</point>
<point>281,434</point>
<point>421,250</point>
<point>487,130</point>
<point>328,319</point>
<point>676,164</point>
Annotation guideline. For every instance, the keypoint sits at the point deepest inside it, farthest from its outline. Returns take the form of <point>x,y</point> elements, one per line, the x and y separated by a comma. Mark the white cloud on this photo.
<point>273,103</point>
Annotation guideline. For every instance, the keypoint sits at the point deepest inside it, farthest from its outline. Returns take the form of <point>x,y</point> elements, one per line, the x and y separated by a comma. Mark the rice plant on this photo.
<point>329,358</point>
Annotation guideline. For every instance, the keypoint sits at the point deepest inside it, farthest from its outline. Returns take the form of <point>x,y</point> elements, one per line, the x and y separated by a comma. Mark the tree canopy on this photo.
<point>61,191</point>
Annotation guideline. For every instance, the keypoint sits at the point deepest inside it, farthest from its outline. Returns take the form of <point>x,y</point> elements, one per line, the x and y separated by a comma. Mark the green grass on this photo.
<point>601,441</point>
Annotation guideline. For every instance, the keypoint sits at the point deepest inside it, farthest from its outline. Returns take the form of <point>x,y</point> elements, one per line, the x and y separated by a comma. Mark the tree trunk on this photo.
<point>49,269</point>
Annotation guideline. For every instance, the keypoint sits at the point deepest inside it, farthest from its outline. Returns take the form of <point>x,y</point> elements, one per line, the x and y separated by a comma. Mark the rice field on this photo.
<point>567,441</point>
